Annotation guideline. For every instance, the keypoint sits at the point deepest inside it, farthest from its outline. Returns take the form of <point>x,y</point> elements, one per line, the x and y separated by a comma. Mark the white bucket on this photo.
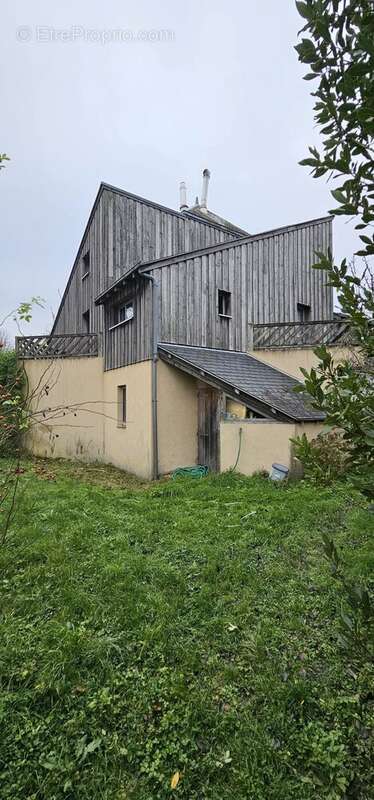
<point>278,472</point>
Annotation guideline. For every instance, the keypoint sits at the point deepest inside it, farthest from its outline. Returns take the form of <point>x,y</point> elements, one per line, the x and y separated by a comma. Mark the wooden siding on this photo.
<point>267,276</point>
<point>124,230</point>
<point>130,341</point>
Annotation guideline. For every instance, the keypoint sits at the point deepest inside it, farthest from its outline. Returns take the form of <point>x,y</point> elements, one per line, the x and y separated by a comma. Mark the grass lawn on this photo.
<point>186,626</point>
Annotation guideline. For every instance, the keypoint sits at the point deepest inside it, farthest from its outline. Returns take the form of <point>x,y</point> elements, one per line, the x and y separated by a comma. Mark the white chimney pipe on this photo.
<point>183,205</point>
<point>204,193</point>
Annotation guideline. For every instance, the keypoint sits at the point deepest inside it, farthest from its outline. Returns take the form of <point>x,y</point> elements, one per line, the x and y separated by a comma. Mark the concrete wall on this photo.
<point>290,359</point>
<point>177,418</point>
<point>263,442</point>
<point>83,423</point>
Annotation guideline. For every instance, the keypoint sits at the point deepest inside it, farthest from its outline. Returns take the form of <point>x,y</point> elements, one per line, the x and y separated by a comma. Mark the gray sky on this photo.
<point>224,91</point>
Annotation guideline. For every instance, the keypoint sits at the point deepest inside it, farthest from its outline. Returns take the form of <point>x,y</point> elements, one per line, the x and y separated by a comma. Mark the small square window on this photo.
<point>86,265</point>
<point>126,312</point>
<point>303,310</point>
<point>224,303</point>
<point>122,405</point>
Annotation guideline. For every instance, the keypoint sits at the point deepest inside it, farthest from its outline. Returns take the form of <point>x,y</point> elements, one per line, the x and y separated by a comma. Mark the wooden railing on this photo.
<point>300,334</point>
<point>69,345</point>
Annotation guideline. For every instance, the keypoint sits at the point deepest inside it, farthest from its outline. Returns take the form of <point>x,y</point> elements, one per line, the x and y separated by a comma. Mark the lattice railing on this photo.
<point>300,334</point>
<point>69,345</point>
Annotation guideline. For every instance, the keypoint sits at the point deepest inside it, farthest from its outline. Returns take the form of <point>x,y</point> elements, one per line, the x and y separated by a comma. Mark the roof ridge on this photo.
<point>182,215</point>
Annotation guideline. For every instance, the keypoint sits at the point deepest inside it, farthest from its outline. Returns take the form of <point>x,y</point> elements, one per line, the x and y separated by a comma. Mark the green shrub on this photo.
<point>11,385</point>
<point>324,459</point>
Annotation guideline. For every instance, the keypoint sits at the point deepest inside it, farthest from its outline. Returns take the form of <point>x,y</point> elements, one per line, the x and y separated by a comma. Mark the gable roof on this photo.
<point>226,228</point>
<point>256,384</point>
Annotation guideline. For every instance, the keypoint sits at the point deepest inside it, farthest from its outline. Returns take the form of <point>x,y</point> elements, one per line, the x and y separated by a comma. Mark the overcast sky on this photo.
<point>143,109</point>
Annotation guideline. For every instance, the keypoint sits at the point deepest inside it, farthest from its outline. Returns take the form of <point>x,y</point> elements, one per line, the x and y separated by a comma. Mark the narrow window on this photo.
<point>122,405</point>
<point>86,265</point>
<point>126,312</point>
<point>303,311</point>
<point>86,321</point>
<point>224,303</point>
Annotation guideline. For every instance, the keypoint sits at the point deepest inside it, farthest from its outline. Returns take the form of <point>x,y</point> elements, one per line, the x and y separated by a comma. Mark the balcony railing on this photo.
<point>69,345</point>
<point>300,334</point>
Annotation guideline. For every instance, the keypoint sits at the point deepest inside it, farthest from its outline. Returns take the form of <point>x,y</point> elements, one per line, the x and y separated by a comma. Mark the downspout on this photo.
<point>155,333</point>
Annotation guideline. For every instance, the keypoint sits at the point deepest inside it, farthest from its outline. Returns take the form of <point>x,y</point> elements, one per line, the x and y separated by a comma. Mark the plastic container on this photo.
<point>278,472</point>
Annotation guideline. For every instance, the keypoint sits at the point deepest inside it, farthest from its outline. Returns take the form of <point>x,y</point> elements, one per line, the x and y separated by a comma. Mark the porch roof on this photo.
<point>258,385</point>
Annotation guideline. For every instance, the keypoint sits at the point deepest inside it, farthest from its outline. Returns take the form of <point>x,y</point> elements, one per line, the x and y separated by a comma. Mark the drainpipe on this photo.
<point>155,333</point>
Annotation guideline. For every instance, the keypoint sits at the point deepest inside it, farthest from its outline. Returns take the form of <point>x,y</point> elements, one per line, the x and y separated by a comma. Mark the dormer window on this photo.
<point>86,265</point>
<point>224,303</point>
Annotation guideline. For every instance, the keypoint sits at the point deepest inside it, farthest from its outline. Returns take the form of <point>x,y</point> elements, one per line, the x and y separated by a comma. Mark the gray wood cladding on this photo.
<point>122,231</point>
<point>130,341</point>
<point>267,276</point>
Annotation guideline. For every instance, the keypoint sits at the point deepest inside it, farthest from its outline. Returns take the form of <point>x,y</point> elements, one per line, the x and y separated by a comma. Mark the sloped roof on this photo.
<point>200,212</point>
<point>220,225</point>
<point>258,385</point>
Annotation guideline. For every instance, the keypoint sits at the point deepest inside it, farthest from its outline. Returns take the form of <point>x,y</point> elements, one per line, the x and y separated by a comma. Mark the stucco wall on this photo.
<point>83,399</point>
<point>74,427</point>
<point>290,359</point>
<point>129,447</point>
<point>263,442</point>
<point>177,418</point>
<point>85,426</point>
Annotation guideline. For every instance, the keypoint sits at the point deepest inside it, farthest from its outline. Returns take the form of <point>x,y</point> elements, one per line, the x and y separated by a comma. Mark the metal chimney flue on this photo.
<point>183,205</point>
<point>204,193</point>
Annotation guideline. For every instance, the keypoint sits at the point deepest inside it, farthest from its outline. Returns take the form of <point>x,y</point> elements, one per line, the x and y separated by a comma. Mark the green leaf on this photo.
<point>338,195</point>
<point>304,10</point>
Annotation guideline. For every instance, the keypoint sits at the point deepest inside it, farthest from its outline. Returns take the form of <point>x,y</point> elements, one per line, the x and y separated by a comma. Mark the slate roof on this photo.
<point>261,386</point>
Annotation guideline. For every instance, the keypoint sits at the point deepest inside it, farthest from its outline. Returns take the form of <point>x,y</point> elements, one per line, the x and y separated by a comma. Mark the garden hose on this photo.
<point>191,472</point>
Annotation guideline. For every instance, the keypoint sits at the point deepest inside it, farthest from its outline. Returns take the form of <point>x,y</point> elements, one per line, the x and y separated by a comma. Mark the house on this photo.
<point>175,339</point>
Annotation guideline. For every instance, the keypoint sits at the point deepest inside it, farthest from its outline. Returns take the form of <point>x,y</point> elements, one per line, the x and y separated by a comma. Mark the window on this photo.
<point>121,314</point>
<point>122,406</point>
<point>86,321</point>
<point>86,265</point>
<point>233,409</point>
<point>126,312</point>
<point>224,303</point>
<point>303,311</point>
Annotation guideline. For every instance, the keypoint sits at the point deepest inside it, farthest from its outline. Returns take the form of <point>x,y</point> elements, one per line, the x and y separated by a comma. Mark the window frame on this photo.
<point>117,312</point>
<point>226,298</point>
<point>122,405</point>
<point>86,264</point>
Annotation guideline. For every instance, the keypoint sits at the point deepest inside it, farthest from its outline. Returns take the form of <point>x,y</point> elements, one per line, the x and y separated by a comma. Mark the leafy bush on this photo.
<point>11,386</point>
<point>324,458</point>
<point>338,50</point>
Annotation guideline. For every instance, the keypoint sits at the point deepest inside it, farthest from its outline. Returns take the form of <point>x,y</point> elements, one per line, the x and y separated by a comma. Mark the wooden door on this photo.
<point>208,428</point>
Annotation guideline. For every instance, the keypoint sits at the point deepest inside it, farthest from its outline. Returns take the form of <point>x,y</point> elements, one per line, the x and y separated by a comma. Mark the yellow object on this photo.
<point>175,780</point>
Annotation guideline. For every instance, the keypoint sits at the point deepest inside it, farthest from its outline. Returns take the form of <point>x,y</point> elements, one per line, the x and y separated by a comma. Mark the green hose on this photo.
<point>190,472</point>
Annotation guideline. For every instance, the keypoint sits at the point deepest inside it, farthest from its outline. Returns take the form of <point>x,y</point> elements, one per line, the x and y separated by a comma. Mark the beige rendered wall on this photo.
<point>290,359</point>
<point>129,447</point>
<point>83,422</point>
<point>73,426</point>
<point>263,443</point>
<point>177,418</point>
